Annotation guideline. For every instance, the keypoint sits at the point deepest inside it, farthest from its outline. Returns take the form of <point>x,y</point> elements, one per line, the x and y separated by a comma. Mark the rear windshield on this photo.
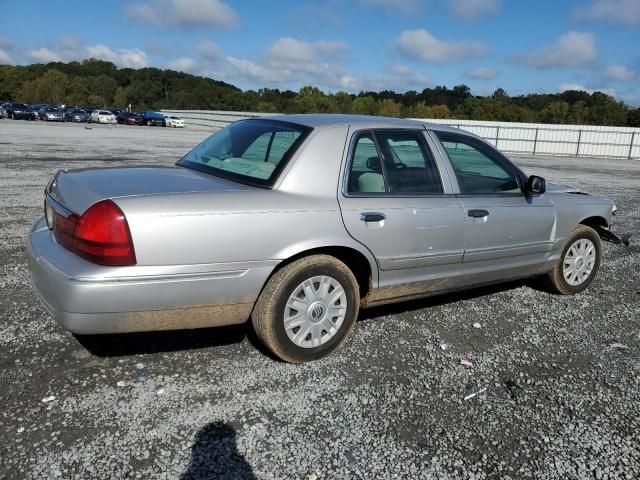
<point>249,151</point>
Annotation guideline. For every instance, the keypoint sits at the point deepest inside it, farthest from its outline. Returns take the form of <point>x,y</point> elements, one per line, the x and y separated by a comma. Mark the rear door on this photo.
<point>395,202</point>
<point>503,227</point>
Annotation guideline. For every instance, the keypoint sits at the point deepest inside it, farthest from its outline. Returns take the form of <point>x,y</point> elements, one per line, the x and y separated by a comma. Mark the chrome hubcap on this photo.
<point>579,261</point>
<point>315,311</point>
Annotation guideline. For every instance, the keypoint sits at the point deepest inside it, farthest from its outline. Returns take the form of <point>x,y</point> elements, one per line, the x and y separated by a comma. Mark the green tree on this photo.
<point>556,112</point>
<point>341,102</point>
<point>389,108</point>
<point>365,105</point>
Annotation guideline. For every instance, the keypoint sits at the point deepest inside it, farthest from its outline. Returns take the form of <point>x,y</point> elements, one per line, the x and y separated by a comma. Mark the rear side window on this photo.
<point>394,162</point>
<point>479,170</point>
<point>250,151</point>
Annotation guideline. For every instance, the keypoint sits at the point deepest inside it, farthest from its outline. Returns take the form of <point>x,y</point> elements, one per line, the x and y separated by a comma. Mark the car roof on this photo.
<point>317,120</point>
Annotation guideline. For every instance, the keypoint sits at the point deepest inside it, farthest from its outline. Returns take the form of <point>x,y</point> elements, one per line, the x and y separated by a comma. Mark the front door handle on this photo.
<point>479,213</point>
<point>372,217</point>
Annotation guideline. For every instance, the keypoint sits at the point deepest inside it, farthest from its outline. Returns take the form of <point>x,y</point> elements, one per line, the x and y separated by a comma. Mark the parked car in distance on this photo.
<point>154,119</point>
<point>36,109</point>
<point>297,222</point>
<point>116,111</point>
<point>103,116</point>
<point>3,109</point>
<point>129,118</point>
<point>173,121</point>
<point>19,111</point>
<point>51,114</point>
<point>75,115</point>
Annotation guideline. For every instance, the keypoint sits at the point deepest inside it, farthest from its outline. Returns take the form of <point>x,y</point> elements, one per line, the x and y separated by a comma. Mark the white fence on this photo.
<point>524,138</point>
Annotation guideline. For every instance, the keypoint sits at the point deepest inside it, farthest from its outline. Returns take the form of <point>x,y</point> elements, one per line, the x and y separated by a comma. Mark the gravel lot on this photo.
<point>559,376</point>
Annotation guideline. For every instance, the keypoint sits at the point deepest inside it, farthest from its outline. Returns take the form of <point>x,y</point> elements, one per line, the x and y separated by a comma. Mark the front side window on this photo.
<point>253,151</point>
<point>479,170</point>
<point>393,161</point>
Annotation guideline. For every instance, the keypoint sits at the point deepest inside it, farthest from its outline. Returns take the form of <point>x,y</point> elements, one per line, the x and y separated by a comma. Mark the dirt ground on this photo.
<point>559,376</point>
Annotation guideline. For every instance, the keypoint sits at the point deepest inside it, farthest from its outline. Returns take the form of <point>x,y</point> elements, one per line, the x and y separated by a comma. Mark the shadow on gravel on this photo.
<point>214,454</point>
<point>445,299</point>
<point>123,344</point>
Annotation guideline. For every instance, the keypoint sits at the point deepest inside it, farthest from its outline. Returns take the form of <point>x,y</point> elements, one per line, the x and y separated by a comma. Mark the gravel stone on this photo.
<point>560,401</point>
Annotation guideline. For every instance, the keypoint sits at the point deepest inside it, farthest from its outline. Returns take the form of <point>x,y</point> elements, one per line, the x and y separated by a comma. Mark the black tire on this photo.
<point>555,280</point>
<point>269,312</point>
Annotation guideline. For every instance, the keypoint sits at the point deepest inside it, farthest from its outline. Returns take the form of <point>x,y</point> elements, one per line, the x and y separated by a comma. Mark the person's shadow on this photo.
<point>214,456</point>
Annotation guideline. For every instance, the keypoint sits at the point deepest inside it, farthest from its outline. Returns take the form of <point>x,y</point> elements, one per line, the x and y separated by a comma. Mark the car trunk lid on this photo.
<point>78,189</point>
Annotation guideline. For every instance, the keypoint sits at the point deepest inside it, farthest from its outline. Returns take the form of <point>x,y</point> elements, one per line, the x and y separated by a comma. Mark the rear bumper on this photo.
<point>91,299</point>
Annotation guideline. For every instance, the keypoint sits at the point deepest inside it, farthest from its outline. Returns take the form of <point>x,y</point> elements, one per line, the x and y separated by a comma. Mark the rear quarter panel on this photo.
<point>300,213</point>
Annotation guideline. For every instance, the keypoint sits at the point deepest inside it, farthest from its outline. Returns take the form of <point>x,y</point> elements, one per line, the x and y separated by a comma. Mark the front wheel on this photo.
<point>307,309</point>
<point>579,263</point>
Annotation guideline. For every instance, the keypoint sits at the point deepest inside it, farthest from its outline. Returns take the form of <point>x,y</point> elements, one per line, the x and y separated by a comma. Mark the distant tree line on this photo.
<point>97,83</point>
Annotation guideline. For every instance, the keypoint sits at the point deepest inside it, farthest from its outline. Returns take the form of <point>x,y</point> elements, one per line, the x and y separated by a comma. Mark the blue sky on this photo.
<point>520,45</point>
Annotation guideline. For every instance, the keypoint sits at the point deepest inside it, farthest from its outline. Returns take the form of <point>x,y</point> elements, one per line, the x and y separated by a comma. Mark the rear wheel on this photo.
<point>579,263</point>
<point>307,309</point>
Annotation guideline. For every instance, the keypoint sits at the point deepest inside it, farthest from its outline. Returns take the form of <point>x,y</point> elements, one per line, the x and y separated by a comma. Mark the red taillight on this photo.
<point>101,235</point>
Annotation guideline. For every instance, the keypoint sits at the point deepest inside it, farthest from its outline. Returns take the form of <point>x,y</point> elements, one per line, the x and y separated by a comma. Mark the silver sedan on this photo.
<point>296,222</point>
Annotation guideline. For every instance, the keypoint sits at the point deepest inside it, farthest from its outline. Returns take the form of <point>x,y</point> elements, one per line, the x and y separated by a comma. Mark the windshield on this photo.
<point>250,151</point>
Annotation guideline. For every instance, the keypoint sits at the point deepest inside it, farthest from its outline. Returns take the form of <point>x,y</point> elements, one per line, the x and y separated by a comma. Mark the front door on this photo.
<point>504,228</point>
<point>395,203</point>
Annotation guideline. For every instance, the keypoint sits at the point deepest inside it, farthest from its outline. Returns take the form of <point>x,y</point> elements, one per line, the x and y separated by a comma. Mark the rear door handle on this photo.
<point>372,217</point>
<point>479,213</point>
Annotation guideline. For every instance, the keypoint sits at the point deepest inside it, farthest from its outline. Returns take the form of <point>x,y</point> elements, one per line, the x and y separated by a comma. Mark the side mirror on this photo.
<point>536,185</point>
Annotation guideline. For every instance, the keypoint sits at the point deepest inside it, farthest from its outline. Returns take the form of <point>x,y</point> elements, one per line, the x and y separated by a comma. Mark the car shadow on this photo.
<point>125,344</point>
<point>214,454</point>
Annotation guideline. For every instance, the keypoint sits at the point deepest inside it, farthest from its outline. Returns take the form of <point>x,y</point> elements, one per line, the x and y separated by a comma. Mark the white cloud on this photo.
<point>399,78</point>
<point>209,51</point>
<point>253,72</point>
<point>67,49</point>
<point>184,64</point>
<point>481,73</point>
<point>184,13</point>
<point>44,55</point>
<point>626,12</point>
<point>289,62</point>
<point>421,45</point>
<point>473,9</point>
<point>291,50</point>
<point>130,58</point>
<point>581,88</point>
<point>571,50</point>
<point>5,58</point>
<point>403,6</point>
<point>619,73</point>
